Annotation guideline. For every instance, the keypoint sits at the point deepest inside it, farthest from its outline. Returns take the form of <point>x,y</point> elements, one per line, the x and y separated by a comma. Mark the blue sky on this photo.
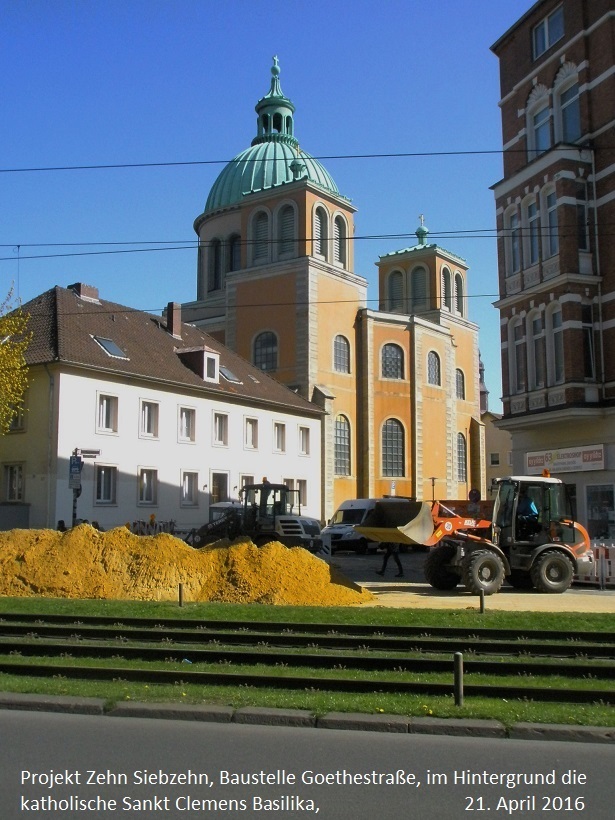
<point>124,82</point>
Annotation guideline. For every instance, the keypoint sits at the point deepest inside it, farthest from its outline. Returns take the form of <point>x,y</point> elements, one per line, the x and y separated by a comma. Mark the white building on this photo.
<point>177,419</point>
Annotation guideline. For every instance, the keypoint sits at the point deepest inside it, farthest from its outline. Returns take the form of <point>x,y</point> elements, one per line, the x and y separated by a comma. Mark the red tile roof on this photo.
<point>64,324</point>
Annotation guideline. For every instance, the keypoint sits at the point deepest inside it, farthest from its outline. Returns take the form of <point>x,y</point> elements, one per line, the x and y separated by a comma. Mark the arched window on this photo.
<point>286,230</point>
<point>551,239</point>
<point>321,234</point>
<point>260,247</point>
<point>531,247</point>
<point>458,295</point>
<point>538,122</point>
<point>214,272</point>
<point>234,252</point>
<point>266,351</point>
<point>392,362</point>
<point>393,448</point>
<point>555,353</point>
<point>341,354</point>
<point>446,295</point>
<point>537,351</point>
<point>462,458</point>
<point>342,446</point>
<point>433,368</point>
<point>513,242</point>
<point>516,346</point>
<point>395,291</point>
<point>460,384</point>
<point>418,290</point>
<point>339,241</point>
<point>566,104</point>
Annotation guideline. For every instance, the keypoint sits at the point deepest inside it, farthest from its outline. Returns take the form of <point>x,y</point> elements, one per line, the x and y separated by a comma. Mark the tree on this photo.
<point>14,341</point>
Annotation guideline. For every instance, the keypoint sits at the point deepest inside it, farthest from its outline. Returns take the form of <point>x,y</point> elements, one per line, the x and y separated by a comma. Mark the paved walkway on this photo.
<point>422,596</point>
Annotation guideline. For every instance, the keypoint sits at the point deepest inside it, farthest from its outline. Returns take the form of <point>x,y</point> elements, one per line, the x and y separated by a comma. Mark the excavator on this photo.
<point>526,536</point>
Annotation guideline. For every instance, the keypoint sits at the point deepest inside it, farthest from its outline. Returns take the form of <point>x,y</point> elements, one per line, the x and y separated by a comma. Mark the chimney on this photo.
<point>84,291</point>
<point>174,319</point>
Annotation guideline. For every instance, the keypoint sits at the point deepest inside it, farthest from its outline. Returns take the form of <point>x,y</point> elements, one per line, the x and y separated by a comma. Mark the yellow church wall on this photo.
<point>268,303</point>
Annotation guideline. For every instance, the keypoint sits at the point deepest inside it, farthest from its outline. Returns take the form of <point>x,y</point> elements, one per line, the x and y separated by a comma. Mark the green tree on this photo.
<point>14,341</point>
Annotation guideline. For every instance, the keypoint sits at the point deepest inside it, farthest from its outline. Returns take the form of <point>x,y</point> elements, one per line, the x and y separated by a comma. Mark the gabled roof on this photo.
<point>65,324</point>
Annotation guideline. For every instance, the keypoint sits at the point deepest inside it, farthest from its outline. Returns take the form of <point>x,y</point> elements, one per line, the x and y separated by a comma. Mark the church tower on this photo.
<point>275,278</point>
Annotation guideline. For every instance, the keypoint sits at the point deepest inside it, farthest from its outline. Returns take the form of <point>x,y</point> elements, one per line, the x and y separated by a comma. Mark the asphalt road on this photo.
<point>51,757</point>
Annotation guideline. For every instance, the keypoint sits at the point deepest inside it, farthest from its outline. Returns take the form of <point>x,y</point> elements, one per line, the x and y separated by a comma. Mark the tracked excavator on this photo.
<point>527,536</point>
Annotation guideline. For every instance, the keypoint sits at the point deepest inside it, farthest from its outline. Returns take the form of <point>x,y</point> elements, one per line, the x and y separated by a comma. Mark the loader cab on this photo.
<point>264,503</point>
<point>533,511</point>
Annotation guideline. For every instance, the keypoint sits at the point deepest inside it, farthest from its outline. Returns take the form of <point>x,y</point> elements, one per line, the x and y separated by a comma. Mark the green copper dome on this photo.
<point>273,159</point>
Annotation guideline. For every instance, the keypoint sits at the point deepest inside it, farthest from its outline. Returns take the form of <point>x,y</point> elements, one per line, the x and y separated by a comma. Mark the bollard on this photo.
<point>482,601</point>
<point>458,667</point>
<point>181,594</point>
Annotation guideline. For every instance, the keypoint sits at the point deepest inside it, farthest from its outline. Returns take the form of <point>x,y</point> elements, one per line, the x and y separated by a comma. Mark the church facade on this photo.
<point>276,283</point>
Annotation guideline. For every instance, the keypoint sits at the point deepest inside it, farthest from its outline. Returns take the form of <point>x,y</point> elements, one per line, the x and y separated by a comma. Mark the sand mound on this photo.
<point>86,563</point>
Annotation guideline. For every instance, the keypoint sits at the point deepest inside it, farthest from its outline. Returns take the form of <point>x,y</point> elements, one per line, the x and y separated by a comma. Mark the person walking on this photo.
<point>391,550</point>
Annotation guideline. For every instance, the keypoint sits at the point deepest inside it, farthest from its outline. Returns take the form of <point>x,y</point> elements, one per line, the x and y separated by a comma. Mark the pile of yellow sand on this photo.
<point>86,563</point>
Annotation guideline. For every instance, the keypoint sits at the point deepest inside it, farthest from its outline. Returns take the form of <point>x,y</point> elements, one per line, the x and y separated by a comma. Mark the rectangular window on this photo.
<point>18,422</point>
<point>515,243</point>
<point>571,114</point>
<point>548,32</point>
<point>210,369</point>
<point>589,361</point>
<point>289,482</point>
<point>14,482</point>
<point>189,489</point>
<point>149,419</point>
<point>302,487</point>
<point>148,486</point>
<point>279,437</point>
<point>106,484</point>
<point>246,479</point>
<point>494,459</point>
<point>187,424</point>
<point>107,414</point>
<point>251,440</point>
<point>220,428</point>
<point>304,441</point>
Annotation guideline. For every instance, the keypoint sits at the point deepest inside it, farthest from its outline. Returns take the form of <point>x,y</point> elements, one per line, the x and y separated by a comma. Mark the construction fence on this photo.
<point>601,571</point>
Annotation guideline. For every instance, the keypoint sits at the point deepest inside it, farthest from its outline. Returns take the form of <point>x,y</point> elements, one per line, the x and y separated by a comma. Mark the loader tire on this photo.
<point>552,572</point>
<point>483,571</point>
<point>437,573</point>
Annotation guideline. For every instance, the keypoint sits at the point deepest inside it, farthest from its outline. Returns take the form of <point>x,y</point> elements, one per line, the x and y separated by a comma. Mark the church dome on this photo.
<point>274,157</point>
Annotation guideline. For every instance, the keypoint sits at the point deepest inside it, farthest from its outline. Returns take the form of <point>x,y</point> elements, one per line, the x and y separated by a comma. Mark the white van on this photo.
<point>341,528</point>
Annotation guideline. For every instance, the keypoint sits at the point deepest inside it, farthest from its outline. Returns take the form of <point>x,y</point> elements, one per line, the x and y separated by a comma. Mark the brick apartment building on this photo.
<point>556,255</point>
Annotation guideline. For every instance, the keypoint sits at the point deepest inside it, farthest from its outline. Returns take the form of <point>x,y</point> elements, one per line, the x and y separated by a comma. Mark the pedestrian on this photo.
<point>391,549</point>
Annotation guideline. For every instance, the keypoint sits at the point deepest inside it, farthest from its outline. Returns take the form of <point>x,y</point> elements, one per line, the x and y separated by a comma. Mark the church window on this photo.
<point>341,355</point>
<point>418,293</point>
<point>339,241</point>
<point>261,237</point>
<point>342,446</point>
<point>393,448</point>
<point>460,384</point>
<point>320,233</point>
<point>214,276</point>
<point>447,295</point>
<point>395,288</point>
<point>235,252</point>
<point>433,368</point>
<point>392,362</point>
<point>266,351</point>
<point>458,295</point>
<point>462,458</point>
<point>286,230</point>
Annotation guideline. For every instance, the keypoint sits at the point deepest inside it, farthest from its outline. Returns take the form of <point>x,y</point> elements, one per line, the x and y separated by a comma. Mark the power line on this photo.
<point>186,163</point>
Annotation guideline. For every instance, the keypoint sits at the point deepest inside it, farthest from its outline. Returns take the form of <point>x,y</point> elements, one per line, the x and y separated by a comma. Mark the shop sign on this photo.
<point>566,460</point>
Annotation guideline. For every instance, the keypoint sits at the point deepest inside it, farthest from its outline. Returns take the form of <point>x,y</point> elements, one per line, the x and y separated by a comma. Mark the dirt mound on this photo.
<point>86,563</point>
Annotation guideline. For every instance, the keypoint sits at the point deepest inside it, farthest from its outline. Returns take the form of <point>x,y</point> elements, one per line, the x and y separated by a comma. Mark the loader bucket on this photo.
<point>417,529</point>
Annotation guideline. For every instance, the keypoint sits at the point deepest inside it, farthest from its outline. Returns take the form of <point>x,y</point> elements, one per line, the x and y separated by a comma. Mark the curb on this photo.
<point>264,716</point>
